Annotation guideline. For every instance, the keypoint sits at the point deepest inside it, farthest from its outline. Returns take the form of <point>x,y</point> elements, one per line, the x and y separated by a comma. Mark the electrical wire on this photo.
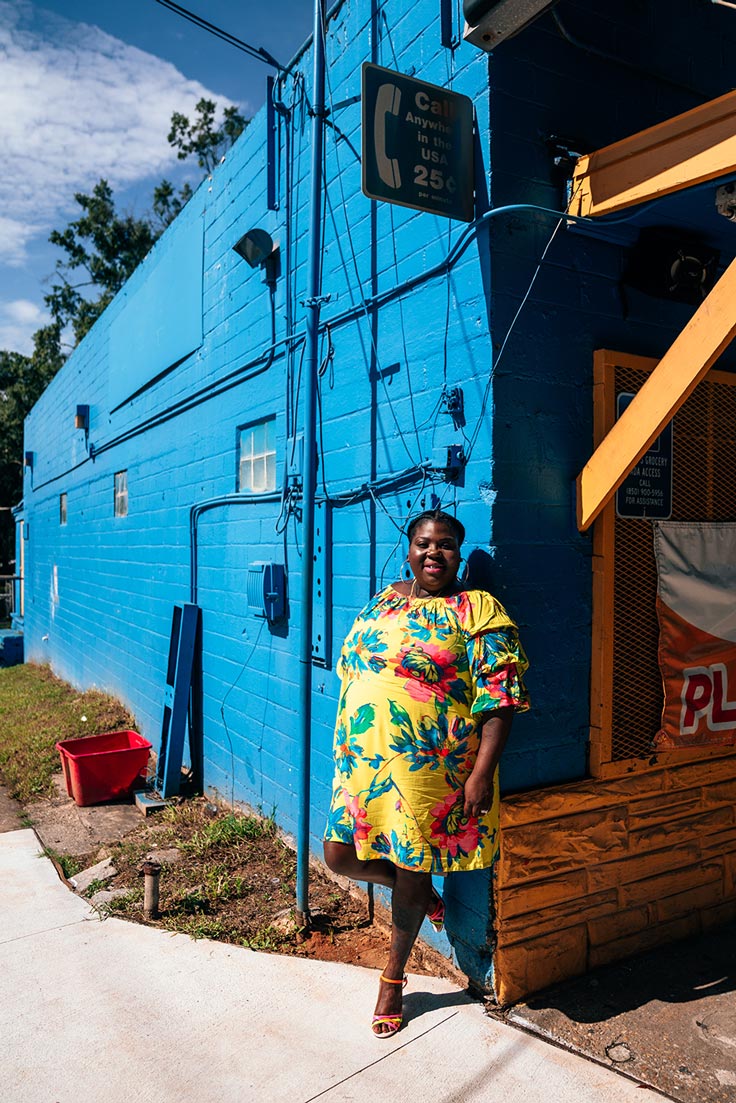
<point>243,669</point>
<point>402,327</point>
<point>402,528</point>
<point>256,52</point>
<point>363,304</point>
<point>509,331</point>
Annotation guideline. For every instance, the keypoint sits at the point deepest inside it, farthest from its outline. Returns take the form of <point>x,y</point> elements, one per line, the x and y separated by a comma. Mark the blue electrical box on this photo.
<point>267,590</point>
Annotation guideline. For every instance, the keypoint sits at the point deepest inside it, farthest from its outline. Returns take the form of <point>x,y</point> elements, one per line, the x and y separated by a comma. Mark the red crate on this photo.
<point>99,768</point>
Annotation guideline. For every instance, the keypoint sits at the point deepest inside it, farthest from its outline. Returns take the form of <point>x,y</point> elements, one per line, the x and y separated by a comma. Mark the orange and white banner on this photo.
<point>696,606</point>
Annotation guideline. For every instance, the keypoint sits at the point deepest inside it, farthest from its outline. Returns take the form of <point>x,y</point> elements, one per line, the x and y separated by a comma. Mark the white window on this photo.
<point>121,493</point>
<point>62,509</point>
<point>257,456</point>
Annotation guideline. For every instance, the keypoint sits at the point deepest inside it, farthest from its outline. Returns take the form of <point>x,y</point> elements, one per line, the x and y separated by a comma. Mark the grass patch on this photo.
<point>229,831</point>
<point>68,864</point>
<point>37,709</point>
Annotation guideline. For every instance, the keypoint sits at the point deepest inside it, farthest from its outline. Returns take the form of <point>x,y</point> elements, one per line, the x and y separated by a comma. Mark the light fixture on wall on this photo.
<point>81,418</point>
<point>488,22</point>
<point>28,460</point>
<point>726,201</point>
<point>257,249</point>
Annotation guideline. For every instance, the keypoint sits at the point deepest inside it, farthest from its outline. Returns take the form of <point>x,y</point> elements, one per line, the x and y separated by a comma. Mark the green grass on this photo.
<point>228,831</point>
<point>68,863</point>
<point>38,709</point>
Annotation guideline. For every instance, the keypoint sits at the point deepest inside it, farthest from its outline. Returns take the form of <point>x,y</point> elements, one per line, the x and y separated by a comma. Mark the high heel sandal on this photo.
<point>392,1021</point>
<point>437,916</point>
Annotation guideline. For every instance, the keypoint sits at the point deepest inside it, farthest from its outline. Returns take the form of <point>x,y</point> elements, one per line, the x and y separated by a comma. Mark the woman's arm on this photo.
<point>479,785</point>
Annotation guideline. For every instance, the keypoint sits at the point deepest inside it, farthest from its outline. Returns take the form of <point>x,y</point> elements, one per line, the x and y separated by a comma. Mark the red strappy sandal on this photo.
<point>394,1022</point>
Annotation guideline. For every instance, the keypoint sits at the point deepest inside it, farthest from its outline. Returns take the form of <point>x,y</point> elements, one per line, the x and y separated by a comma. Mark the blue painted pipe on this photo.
<point>311,364</point>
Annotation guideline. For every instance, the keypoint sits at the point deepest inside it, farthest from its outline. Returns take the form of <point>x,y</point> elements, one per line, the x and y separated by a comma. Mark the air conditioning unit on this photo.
<point>266,586</point>
<point>488,22</point>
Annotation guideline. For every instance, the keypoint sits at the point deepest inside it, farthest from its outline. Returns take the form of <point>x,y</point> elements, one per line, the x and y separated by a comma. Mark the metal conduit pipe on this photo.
<point>239,374</point>
<point>213,503</point>
<point>457,250</point>
<point>311,364</point>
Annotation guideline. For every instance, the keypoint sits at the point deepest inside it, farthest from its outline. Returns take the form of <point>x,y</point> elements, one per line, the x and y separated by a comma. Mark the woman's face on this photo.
<point>434,556</point>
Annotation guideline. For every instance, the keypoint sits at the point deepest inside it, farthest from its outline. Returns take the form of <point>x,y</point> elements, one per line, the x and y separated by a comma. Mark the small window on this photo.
<point>257,456</point>
<point>121,494</point>
<point>62,509</point>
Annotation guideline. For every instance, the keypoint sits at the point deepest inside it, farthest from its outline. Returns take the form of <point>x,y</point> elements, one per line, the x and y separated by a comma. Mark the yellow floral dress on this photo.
<point>417,675</point>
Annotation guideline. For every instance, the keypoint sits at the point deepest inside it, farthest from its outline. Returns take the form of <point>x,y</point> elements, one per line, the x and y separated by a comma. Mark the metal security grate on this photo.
<point>704,489</point>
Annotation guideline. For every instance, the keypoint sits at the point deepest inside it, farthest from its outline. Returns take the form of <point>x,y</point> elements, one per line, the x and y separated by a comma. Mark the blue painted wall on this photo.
<point>168,386</point>
<point>594,75</point>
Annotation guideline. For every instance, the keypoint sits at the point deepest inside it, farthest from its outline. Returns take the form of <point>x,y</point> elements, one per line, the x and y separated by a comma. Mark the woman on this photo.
<point>431,676</point>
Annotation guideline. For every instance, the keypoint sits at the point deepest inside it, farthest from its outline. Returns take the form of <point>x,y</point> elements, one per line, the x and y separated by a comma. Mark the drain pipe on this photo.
<point>311,360</point>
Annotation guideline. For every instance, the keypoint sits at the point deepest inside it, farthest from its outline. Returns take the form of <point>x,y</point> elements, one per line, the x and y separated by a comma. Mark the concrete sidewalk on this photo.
<point>108,1010</point>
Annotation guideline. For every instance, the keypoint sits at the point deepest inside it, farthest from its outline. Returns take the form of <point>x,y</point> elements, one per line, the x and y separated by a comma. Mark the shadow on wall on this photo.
<point>468,902</point>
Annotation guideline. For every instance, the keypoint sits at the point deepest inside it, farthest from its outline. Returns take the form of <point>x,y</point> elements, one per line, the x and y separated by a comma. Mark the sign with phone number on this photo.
<point>417,144</point>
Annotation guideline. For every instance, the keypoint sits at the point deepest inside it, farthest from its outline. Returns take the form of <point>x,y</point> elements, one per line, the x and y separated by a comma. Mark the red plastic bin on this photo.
<point>99,768</point>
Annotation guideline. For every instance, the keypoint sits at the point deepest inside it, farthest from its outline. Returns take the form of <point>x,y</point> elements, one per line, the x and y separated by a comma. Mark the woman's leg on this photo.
<point>341,858</point>
<point>410,901</point>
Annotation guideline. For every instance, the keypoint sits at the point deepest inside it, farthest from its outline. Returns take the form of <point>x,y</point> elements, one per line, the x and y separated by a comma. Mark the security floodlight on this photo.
<point>254,247</point>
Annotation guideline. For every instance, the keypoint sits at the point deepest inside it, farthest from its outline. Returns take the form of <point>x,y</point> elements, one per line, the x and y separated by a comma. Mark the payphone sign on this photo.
<point>417,144</point>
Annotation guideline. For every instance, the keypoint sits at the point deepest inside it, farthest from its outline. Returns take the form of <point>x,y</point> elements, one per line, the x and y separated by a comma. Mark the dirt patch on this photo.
<point>232,877</point>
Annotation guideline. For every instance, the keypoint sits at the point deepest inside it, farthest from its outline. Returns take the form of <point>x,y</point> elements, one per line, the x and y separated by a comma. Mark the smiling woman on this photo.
<point>431,676</point>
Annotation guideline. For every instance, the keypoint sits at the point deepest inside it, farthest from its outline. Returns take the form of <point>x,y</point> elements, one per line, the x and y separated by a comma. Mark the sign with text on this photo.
<point>696,608</point>
<point>417,144</point>
<point>647,490</point>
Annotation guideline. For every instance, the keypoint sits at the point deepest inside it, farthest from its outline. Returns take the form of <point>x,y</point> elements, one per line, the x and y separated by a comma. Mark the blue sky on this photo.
<point>87,92</point>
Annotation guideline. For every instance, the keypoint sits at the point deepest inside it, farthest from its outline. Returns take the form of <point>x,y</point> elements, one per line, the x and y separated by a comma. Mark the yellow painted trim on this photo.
<point>684,151</point>
<point>605,363</point>
<point>709,331</point>
<point>684,756</point>
<point>601,673</point>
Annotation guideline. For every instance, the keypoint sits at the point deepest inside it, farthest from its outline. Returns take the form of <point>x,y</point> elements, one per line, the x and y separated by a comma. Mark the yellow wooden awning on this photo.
<point>680,153</point>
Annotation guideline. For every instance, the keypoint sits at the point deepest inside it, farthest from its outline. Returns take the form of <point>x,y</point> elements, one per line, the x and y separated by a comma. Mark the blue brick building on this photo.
<point>190,468</point>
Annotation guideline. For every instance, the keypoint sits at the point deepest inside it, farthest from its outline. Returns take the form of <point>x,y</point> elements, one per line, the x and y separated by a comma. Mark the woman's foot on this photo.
<point>388,1017</point>
<point>436,911</point>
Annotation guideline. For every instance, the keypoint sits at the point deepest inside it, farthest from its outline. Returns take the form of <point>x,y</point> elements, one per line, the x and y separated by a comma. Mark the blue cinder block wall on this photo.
<point>583,77</point>
<point>168,386</point>
<point>190,351</point>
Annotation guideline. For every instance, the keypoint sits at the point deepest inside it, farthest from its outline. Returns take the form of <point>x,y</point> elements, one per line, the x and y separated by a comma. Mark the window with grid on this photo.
<point>626,684</point>
<point>257,456</point>
<point>121,493</point>
<point>62,509</point>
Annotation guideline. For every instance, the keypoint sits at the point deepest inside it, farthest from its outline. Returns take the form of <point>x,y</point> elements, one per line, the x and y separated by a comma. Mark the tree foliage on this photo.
<point>202,138</point>
<point>101,249</point>
<point>104,250</point>
<point>22,381</point>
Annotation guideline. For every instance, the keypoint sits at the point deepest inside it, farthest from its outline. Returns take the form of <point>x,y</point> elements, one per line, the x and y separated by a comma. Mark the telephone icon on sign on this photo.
<point>387,103</point>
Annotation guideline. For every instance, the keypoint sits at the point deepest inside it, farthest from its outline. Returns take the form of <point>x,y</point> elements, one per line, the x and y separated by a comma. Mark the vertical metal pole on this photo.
<point>310,465</point>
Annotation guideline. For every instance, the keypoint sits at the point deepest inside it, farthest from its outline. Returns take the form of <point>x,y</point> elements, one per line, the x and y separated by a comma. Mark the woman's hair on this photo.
<point>447,519</point>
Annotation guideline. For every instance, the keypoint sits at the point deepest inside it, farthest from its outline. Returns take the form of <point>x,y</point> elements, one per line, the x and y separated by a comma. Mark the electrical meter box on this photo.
<point>267,590</point>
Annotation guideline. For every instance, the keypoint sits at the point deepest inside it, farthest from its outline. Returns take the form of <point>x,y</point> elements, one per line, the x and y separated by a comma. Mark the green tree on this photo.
<point>101,248</point>
<point>22,381</point>
<point>202,138</point>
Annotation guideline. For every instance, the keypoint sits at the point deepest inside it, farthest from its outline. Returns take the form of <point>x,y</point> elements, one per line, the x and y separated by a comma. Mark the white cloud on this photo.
<point>76,104</point>
<point>19,320</point>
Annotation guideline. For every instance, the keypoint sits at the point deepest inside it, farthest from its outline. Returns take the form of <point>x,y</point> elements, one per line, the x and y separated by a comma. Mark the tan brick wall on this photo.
<point>596,870</point>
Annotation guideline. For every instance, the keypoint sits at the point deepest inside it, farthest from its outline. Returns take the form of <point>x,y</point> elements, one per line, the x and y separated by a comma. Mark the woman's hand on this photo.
<point>478,794</point>
<point>479,785</point>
